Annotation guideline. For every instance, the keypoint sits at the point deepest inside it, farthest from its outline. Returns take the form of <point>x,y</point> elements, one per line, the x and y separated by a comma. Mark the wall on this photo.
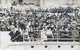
<point>42,47</point>
<point>51,3</point>
<point>60,3</point>
<point>4,39</point>
<point>28,1</point>
<point>46,3</point>
<point>32,1</point>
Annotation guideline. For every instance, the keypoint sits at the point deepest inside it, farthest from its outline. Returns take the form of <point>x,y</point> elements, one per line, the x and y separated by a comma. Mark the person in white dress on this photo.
<point>49,34</point>
<point>43,36</point>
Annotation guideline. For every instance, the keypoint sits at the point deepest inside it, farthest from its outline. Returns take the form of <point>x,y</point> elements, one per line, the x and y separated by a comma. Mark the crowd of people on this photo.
<point>42,23</point>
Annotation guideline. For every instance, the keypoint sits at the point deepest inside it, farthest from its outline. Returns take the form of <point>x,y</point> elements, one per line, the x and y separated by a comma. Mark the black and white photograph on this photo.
<point>39,24</point>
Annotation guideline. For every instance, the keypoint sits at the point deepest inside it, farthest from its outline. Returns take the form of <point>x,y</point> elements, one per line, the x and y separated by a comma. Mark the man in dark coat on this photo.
<point>16,36</point>
<point>22,26</point>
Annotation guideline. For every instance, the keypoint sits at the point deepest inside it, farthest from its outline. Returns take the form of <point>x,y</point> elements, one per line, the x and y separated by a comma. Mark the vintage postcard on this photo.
<point>39,24</point>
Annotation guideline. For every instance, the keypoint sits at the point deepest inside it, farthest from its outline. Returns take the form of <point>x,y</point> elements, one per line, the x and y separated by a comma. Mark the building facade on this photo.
<point>43,3</point>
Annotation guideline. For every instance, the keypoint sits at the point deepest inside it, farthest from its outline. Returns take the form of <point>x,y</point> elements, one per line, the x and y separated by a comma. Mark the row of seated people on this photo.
<point>61,10</point>
<point>54,10</point>
<point>58,10</point>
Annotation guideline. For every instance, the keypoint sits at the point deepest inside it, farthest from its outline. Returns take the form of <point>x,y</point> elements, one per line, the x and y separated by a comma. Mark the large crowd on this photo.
<point>54,23</point>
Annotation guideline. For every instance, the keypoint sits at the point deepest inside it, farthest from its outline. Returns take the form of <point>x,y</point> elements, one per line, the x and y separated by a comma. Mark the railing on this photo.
<point>32,39</point>
<point>52,39</point>
<point>56,38</point>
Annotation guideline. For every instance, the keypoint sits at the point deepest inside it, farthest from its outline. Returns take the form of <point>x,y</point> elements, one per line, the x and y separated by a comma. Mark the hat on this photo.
<point>12,26</point>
